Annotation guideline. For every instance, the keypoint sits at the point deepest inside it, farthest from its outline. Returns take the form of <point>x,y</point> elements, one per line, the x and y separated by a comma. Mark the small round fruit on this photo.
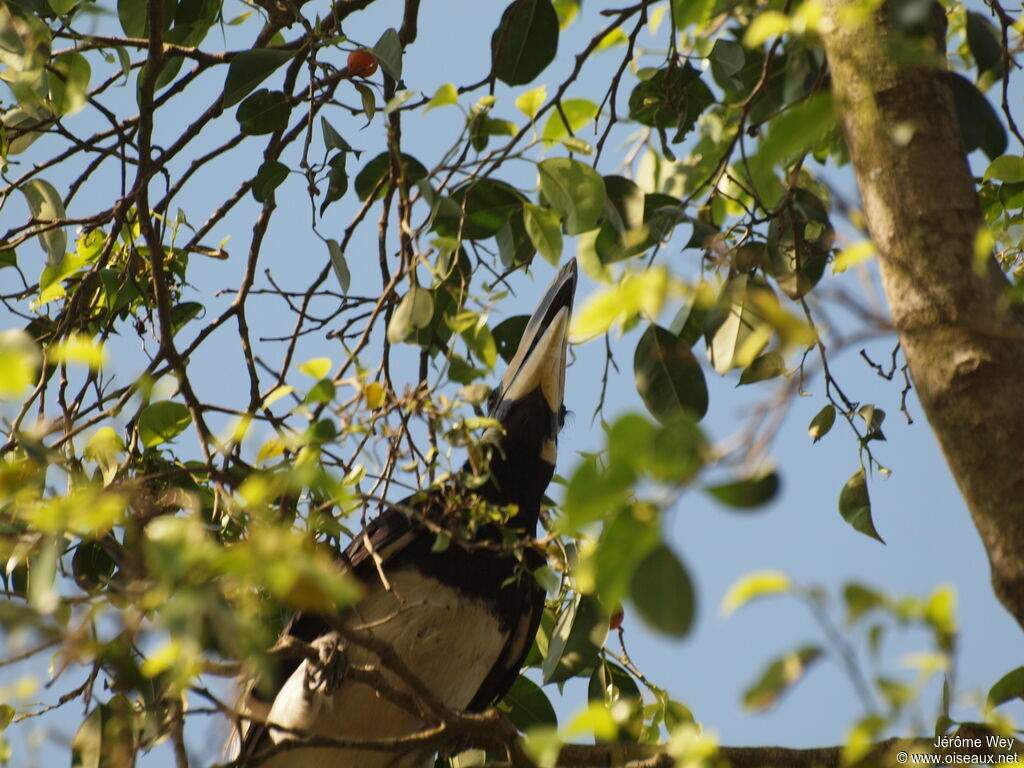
<point>361,63</point>
<point>616,620</point>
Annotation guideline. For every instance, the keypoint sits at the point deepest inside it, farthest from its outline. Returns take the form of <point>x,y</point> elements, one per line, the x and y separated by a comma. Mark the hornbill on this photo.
<point>461,619</point>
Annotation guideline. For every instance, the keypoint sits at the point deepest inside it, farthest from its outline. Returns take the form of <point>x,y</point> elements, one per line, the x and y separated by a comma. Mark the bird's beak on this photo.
<point>539,362</point>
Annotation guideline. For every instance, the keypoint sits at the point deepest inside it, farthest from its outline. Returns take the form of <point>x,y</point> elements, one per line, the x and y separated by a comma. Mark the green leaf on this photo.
<point>576,639</point>
<point>514,245</point>
<point>481,342</point>
<point>733,330</point>
<point>162,421</point>
<point>747,493</point>
<point>545,231</point>
<point>525,41</point>
<point>673,97</point>
<point>334,140</point>
<point>337,181</point>
<point>767,366</point>
<point>388,53</point>
<point>87,744</point>
<point>727,60</point>
<point>369,99</point>
<point>415,310</point>
<point>980,125</point>
<point>45,204</point>
<point>91,566</point>
<point>527,706</point>
<point>591,493</point>
<point>1008,169</point>
<point>611,683</point>
<point>268,178</point>
<point>263,112</point>
<point>855,505</point>
<point>481,209</point>
<point>134,17</point>
<point>398,100</point>
<point>983,40</point>
<point>70,87</point>
<point>822,422</point>
<point>507,335</point>
<point>781,675</point>
<point>578,112</point>
<point>341,270</point>
<point>668,376</point>
<point>8,258</point>
<point>662,592</point>
<point>379,167</point>
<point>60,7</point>
<point>798,129</point>
<point>1010,686</point>
<point>624,232</point>
<point>250,68</point>
<point>627,538</point>
<point>859,600</point>
<point>574,190</point>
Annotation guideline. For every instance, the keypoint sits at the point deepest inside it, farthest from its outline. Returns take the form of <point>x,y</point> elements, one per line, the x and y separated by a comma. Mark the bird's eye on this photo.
<point>492,399</point>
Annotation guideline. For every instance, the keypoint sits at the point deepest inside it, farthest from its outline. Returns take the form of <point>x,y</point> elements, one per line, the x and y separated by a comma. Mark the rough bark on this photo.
<point>963,342</point>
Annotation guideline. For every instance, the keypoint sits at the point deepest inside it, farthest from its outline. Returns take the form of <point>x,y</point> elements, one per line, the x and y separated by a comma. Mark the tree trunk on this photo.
<point>963,341</point>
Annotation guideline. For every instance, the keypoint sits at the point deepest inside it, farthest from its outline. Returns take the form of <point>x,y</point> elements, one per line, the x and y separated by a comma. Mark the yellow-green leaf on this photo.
<point>444,96</point>
<point>318,367</point>
<point>752,586</point>
<point>19,363</point>
<point>530,102</point>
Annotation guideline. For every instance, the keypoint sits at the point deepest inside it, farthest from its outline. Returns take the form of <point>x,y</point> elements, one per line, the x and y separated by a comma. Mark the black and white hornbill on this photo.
<point>462,619</point>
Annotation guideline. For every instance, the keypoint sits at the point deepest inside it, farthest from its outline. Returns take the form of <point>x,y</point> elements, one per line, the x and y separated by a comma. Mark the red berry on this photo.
<point>361,63</point>
<point>616,620</point>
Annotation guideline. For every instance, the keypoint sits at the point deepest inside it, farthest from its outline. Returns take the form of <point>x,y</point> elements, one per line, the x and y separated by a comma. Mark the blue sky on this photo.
<point>917,510</point>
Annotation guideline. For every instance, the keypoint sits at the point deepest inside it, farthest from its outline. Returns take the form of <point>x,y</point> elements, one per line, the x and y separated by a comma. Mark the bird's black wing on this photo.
<point>513,654</point>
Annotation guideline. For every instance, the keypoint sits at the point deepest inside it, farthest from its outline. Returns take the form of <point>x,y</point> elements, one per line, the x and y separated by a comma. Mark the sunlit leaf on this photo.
<point>19,363</point>
<point>752,586</point>
<point>444,96</point>
<point>545,231</point>
<point>530,102</point>
<point>45,204</point>
<point>578,113</point>
<point>577,637</point>
<point>822,422</point>
<point>70,87</point>
<point>781,675</point>
<point>415,310</point>
<point>576,191</point>
<point>162,421</point>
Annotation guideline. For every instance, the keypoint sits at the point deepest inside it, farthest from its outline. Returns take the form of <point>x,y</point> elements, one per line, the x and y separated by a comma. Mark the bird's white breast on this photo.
<point>449,639</point>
